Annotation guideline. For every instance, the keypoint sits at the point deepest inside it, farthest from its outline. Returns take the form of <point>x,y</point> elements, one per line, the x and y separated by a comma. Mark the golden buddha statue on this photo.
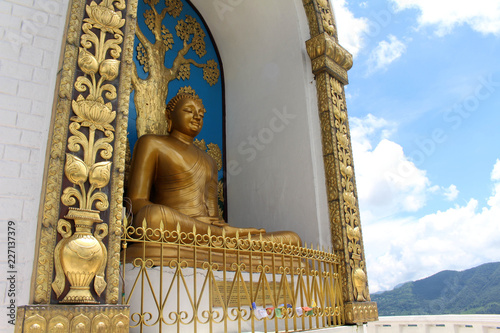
<point>174,182</point>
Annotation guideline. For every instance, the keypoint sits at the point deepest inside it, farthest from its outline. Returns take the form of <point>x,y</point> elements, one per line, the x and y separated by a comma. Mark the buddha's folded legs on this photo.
<point>155,214</point>
<point>285,237</point>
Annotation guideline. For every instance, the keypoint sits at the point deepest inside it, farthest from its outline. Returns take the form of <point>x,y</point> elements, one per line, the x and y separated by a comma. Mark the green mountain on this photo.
<point>473,291</point>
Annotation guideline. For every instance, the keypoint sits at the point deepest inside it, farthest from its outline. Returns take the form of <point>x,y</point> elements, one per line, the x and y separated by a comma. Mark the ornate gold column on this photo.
<point>75,285</point>
<point>330,63</point>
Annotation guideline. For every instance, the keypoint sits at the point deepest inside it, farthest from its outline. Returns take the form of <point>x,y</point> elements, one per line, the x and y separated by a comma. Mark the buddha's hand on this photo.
<point>242,232</point>
<point>219,223</point>
<point>211,220</point>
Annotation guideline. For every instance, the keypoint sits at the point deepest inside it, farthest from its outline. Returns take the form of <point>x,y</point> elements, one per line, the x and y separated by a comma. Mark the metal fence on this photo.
<point>178,281</point>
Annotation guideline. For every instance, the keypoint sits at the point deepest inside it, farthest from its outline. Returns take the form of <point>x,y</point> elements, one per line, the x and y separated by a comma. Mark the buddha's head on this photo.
<point>185,114</point>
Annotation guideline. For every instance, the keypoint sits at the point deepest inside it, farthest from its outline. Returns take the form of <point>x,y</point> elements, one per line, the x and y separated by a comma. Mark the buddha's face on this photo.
<point>187,117</point>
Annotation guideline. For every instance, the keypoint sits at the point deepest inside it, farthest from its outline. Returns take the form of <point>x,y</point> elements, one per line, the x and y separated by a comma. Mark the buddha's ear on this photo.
<point>169,125</point>
<point>169,119</point>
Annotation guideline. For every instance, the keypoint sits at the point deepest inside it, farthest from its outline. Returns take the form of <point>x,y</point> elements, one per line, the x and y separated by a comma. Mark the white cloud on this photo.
<point>451,193</point>
<point>403,249</point>
<point>495,174</point>
<point>363,131</point>
<point>388,182</point>
<point>481,15</point>
<point>385,53</point>
<point>458,238</point>
<point>494,200</point>
<point>350,29</point>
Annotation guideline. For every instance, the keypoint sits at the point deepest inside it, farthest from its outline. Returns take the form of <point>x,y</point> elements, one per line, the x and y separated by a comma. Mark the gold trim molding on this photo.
<point>119,156</point>
<point>360,312</point>
<point>327,55</point>
<point>320,16</point>
<point>47,232</point>
<point>72,318</point>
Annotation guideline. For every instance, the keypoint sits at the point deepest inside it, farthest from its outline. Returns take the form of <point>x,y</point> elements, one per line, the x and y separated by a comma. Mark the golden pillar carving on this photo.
<point>79,231</point>
<point>330,63</point>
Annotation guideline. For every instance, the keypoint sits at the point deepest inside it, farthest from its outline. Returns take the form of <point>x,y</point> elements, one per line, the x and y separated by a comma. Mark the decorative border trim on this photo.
<point>327,55</point>
<point>73,318</point>
<point>118,179</point>
<point>52,200</point>
<point>360,312</point>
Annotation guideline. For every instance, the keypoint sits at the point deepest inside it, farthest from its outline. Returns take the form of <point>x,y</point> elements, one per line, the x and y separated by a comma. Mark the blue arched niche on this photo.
<point>212,95</point>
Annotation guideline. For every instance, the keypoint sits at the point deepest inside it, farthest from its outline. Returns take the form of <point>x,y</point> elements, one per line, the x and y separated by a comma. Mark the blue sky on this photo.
<point>424,107</point>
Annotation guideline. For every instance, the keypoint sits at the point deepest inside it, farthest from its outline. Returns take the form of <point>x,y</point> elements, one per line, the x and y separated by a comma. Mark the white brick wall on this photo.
<point>31,35</point>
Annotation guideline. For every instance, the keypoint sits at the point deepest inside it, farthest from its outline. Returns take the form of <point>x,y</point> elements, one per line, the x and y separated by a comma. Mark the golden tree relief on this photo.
<point>151,93</point>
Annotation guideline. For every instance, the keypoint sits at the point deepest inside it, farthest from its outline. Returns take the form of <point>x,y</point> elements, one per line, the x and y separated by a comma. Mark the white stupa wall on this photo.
<point>31,34</point>
<point>198,292</point>
<point>275,167</point>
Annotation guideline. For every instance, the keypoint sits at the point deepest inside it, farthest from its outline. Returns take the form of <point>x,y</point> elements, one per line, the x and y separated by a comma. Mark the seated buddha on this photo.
<point>173,182</point>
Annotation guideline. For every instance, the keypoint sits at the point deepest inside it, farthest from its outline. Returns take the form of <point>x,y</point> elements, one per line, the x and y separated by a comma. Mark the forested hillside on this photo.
<point>473,291</point>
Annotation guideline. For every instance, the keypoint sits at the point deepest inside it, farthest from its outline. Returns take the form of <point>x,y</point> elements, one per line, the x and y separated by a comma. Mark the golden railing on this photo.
<point>189,282</point>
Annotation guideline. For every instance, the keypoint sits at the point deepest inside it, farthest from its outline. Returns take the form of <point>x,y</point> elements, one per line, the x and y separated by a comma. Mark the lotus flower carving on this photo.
<point>93,113</point>
<point>349,199</point>
<point>99,174</point>
<point>76,170</point>
<point>346,170</point>
<point>87,62</point>
<point>104,18</point>
<point>109,69</point>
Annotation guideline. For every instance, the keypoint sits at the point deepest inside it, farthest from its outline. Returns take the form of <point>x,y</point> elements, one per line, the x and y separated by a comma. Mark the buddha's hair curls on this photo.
<point>173,103</point>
